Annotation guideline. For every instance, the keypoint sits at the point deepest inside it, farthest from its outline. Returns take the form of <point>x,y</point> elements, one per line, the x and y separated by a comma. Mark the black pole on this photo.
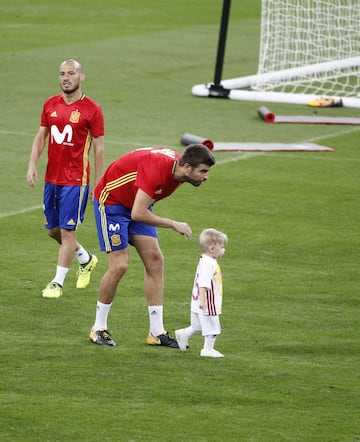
<point>216,90</point>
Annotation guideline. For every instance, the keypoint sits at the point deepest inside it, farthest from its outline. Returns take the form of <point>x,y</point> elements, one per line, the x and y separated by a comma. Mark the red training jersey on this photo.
<point>72,127</point>
<point>150,169</point>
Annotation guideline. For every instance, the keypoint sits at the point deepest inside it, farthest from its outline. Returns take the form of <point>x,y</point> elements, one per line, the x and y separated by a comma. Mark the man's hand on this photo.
<point>32,176</point>
<point>183,229</point>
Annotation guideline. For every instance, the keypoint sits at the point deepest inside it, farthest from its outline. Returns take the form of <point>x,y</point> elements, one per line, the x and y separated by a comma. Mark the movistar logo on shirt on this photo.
<point>63,137</point>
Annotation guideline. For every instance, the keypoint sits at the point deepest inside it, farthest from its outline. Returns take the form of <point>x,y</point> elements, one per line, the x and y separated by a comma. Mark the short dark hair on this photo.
<point>196,154</point>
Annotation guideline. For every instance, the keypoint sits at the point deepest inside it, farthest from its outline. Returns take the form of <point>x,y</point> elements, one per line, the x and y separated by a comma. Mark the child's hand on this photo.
<point>202,299</point>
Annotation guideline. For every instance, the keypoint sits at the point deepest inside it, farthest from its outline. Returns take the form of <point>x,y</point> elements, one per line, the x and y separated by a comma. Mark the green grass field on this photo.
<point>290,319</point>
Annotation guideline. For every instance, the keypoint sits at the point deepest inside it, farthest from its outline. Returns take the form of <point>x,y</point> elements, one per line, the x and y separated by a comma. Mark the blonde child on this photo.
<point>207,294</point>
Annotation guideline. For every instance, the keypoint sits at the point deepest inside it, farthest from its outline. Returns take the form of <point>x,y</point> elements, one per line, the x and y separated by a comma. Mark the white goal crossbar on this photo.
<point>285,74</point>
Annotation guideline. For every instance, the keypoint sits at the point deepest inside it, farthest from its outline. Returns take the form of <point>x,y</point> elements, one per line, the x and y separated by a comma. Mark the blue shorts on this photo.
<point>64,206</point>
<point>114,226</point>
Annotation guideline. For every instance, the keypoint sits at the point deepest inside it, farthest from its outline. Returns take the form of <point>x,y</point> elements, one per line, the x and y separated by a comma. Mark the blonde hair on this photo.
<point>209,237</point>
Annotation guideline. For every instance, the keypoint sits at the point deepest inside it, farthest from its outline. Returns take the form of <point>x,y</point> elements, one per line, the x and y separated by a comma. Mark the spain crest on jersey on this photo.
<point>75,116</point>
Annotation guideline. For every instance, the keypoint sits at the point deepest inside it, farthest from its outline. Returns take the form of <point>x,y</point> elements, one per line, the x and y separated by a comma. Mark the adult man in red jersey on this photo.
<point>123,202</point>
<point>71,123</point>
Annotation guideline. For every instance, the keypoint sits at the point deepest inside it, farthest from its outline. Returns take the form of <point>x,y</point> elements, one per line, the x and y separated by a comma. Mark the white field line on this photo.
<point>238,156</point>
<point>9,132</point>
<point>339,133</point>
<point>21,211</point>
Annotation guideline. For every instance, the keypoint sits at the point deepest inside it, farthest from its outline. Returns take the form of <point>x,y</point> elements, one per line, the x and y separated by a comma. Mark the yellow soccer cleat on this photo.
<point>52,290</point>
<point>84,272</point>
<point>326,102</point>
<point>102,337</point>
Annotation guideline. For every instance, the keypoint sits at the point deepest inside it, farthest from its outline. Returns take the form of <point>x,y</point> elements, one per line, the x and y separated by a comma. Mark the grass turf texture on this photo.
<point>290,323</point>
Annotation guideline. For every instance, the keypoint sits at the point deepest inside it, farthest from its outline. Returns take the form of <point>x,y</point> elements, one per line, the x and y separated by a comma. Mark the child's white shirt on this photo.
<point>208,275</point>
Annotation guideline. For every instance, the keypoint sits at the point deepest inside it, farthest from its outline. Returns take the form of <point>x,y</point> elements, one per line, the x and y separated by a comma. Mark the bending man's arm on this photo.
<point>140,212</point>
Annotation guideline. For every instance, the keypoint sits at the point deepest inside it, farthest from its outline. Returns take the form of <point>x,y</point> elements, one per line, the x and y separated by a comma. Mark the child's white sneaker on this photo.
<point>182,339</point>
<point>211,353</point>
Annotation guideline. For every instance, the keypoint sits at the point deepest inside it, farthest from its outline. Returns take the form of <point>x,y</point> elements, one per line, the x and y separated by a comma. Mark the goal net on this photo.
<point>308,49</point>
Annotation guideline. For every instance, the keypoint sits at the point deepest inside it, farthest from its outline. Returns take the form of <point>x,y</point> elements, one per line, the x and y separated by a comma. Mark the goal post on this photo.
<point>308,49</point>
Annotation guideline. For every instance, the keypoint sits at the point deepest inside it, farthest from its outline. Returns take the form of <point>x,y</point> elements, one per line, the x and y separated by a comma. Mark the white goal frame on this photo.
<point>249,88</point>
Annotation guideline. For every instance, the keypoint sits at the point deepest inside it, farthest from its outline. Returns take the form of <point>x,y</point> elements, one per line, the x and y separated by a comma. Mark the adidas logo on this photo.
<point>71,223</point>
<point>53,114</point>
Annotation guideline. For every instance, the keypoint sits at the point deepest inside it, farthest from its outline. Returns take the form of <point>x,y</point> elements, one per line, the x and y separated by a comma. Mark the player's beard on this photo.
<point>71,90</point>
<point>193,182</point>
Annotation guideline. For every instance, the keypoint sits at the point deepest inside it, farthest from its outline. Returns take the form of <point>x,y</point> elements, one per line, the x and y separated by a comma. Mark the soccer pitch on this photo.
<point>290,318</point>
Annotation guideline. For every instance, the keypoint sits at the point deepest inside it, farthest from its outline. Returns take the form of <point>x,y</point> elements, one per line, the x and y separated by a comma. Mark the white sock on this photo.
<point>60,276</point>
<point>82,255</point>
<point>102,312</point>
<point>209,342</point>
<point>156,319</point>
<point>189,331</point>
